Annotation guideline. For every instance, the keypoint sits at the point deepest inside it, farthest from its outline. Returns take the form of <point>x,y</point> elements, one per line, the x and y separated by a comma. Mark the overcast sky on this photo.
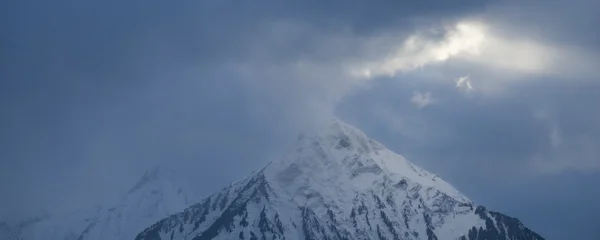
<point>497,97</point>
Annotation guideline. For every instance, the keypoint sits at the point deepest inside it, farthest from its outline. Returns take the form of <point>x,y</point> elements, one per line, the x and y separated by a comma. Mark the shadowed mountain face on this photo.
<point>339,184</point>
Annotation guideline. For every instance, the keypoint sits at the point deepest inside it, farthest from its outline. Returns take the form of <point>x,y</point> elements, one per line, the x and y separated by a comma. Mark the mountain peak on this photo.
<point>336,183</point>
<point>334,130</point>
<point>339,154</point>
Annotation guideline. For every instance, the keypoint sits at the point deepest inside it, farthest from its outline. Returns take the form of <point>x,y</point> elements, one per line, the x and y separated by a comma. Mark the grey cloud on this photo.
<point>565,22</point>
<point>496,149</point>
<point>509,119</point>
<point>95,92</point>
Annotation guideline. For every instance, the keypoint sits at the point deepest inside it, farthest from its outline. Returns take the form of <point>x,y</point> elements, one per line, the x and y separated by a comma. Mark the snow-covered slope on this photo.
<point>158,194</point>
<point>338,184</point>
<point>155,196</point>
<point>67,226</point>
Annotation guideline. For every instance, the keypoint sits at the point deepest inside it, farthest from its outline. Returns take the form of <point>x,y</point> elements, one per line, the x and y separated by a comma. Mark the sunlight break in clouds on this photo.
<point>472,41</point>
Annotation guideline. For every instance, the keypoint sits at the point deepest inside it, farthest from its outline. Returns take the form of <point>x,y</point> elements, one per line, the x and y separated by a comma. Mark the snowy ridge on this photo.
<point>338,184</point>
<point>158,194</point>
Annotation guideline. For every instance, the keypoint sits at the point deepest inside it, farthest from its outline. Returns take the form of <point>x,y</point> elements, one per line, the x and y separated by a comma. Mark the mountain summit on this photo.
<point>339,184</point>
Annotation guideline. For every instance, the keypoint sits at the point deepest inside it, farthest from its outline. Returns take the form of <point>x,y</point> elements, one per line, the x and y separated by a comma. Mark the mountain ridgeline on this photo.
<point>338,184</point>
<point>335,183</point>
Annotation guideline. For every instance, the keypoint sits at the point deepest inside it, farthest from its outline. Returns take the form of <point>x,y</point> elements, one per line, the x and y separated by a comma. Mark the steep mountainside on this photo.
<point>338,184</point>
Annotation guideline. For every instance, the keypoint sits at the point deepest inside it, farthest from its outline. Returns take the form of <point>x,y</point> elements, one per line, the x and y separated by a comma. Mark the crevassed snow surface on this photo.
<point>337,184</point>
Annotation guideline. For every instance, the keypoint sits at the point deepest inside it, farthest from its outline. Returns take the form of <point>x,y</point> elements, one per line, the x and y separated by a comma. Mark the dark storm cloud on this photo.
<point>97,90</point>
<point>92,93</point>
<point>100,36</point>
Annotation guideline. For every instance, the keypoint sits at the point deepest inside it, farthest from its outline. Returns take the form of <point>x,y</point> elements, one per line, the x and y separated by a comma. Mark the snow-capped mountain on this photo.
<point>158,194</point>
<point>338,184</point>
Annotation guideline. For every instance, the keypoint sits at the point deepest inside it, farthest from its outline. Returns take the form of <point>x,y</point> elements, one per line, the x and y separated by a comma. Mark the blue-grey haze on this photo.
<point>94,92</point>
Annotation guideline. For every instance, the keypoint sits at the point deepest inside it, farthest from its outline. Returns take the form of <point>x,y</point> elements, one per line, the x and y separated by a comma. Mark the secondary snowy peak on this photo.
<point>156,195</point>
<point>339,184</point>
<point>66,226</point>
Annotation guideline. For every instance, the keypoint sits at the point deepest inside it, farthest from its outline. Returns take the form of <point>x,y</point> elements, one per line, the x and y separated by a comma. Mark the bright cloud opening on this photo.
<point>471,41</point>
